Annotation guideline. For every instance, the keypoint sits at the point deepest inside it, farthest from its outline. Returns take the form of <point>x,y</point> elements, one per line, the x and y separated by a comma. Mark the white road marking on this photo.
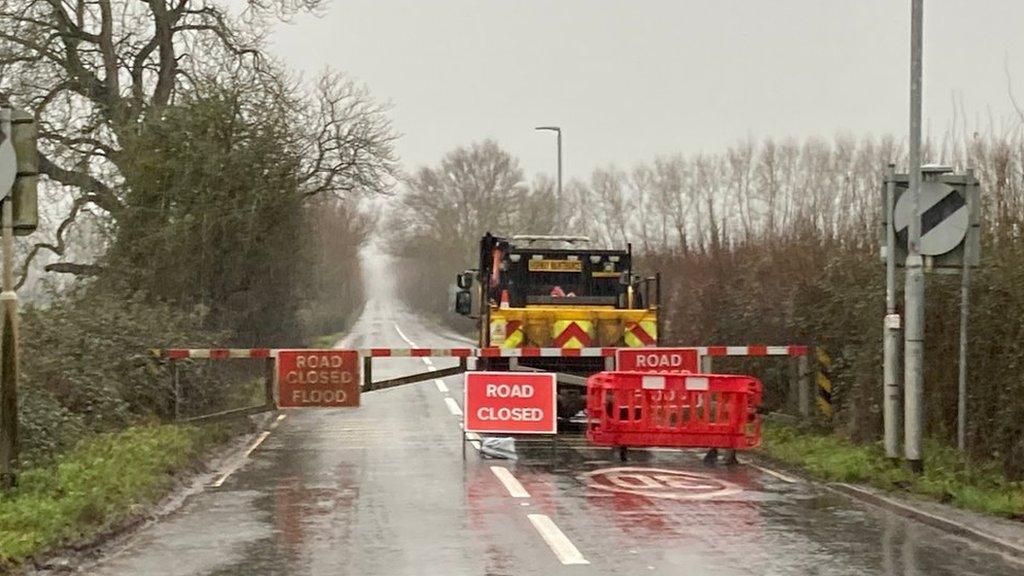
<point>427,361</point>
<point>241,461</point>
<point>277,421</point>
<point>441,386</point>
<point>779,475</point>
<point>660,483</point>
<point>431,368</point>
<point>403,336</point>
<point>563,548</point>
<point>515,489</point>
<point>453,406</point>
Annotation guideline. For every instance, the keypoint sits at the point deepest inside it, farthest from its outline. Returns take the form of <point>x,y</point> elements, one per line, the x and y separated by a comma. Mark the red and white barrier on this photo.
<point>755,350</point>
<point>493,352</point>
<point>214,353</point>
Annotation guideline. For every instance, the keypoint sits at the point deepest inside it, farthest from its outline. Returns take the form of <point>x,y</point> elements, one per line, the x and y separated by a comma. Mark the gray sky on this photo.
<point>628,80</point>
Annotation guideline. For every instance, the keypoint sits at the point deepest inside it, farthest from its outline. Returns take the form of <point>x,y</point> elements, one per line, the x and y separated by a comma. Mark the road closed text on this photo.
<point>326,378</point>
<point>658,359</point>
<point>500,402</point>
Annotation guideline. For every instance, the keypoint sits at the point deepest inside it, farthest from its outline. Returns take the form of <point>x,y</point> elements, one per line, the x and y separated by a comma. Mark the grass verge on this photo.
<point>948,477</point>
<point>105,482</point>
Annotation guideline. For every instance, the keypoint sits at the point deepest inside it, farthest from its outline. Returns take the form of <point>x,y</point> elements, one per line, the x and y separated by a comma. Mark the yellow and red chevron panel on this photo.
<point>642,334</point>
<point>572,333</point>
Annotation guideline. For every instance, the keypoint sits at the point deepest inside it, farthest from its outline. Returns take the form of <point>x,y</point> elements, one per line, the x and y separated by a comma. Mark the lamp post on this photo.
<point>913,406</point>
<point>558,196</point>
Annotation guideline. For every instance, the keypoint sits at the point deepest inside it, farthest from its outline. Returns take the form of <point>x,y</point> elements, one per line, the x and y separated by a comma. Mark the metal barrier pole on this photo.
<point>706,365</point>
<point>269,377</point>
<point>367,373</point>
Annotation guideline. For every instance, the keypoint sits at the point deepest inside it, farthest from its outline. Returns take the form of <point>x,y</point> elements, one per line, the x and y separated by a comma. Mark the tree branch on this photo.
<point>97,192</point>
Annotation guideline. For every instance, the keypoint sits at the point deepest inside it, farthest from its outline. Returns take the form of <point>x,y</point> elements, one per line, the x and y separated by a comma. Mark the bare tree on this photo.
<point>95,72</point>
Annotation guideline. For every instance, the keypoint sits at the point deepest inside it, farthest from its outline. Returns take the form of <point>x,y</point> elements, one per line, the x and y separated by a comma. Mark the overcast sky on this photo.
<point>631,79</point>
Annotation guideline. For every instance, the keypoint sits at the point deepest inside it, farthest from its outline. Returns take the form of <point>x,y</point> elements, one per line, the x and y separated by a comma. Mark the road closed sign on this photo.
<point>317,378</point>
<point>510,403</point>
<point>657,359</point>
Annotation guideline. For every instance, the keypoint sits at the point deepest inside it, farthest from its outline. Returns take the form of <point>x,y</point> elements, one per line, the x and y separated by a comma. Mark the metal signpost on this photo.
<point>950,243</point>
<point>973,209</point>
<point>891,325</point>
<point>913,406</point>
<point>8,314</point>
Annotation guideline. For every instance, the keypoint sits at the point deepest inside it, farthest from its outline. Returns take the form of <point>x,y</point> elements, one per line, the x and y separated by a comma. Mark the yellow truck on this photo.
<point>557,292</point>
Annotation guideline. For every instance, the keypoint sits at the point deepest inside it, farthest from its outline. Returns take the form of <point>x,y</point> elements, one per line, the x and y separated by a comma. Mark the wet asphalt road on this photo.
<point>383,490</point>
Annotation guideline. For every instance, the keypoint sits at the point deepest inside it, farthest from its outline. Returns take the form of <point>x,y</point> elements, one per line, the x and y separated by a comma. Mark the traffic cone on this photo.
<point>504,300</point>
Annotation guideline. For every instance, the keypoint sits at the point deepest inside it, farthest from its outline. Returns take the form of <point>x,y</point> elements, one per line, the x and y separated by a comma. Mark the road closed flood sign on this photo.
<point>510,403</point>
<point>317,378</point>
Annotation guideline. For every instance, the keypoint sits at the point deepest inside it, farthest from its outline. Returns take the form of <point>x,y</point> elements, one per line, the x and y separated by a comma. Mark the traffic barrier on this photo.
<point>637,409</point>
<point>492,352</point>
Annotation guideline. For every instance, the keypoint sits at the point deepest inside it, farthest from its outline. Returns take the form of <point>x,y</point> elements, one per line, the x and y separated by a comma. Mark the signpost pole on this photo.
<point>914,292</point>
<point>965,303</point>
<point>9,323</point>
<point>891,327</point>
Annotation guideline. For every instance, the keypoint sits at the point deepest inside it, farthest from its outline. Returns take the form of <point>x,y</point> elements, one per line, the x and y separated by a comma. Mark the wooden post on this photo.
<point>269,378</point>
<point>176,384</point>
<point>793,392</point>
<point>804,396</point>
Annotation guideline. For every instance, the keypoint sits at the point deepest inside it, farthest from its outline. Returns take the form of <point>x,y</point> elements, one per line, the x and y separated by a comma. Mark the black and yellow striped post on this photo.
<point>824,380</point>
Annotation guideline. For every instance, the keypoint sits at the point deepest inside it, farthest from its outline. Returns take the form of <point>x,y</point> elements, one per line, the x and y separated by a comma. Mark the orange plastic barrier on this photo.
<point>673,410</point>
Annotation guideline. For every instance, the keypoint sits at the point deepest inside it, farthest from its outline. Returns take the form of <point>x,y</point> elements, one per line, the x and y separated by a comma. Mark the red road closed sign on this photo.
<point>510,403</point>
<point>657,359</point>
<point>311,378</point>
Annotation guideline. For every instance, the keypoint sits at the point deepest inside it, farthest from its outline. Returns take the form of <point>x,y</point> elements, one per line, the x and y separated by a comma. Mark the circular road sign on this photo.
<point>944,218</point>
<point>660,483</point>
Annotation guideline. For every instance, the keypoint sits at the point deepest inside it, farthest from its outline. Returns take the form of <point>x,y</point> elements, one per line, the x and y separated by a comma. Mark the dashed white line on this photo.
<point>441,386</point>
<point>474,440</point>
<point>403,336</point>
<point>453,406</point>
<point>559,543</point>
<point>514,487</point>
<point>241,460</point>
<point>427,361</point>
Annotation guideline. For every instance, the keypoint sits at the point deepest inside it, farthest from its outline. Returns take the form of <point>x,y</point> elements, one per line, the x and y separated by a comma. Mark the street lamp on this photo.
<point>558,195</point>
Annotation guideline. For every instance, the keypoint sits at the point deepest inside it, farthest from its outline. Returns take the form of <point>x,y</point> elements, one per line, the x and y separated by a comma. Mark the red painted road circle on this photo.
<point>660,483</point>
